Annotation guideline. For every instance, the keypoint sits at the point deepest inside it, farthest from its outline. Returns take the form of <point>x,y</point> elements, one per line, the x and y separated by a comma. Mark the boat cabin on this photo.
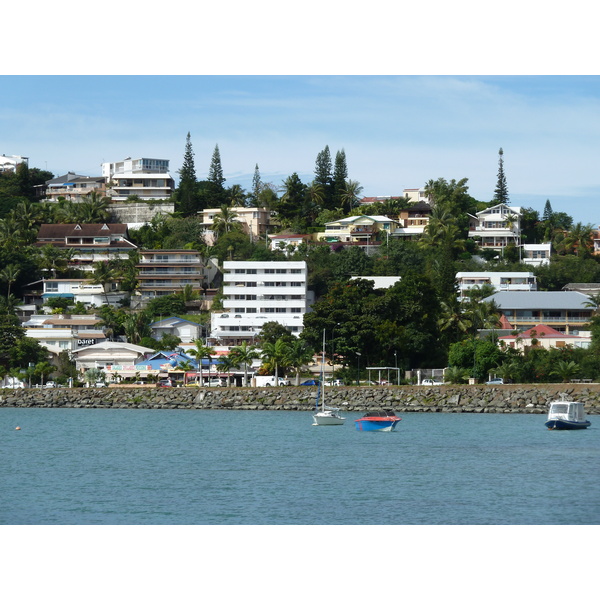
<point>569,411</point>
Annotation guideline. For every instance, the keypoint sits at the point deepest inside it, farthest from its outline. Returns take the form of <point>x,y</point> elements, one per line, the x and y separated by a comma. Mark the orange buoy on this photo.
<point>18,428</point>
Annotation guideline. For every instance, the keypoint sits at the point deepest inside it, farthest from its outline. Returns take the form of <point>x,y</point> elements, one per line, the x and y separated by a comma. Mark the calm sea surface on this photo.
<point>154,467</point>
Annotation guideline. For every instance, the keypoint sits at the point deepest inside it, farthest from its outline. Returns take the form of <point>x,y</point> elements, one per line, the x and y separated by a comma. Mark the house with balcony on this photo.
<point>74,187</point>
<point>536,254</point>
<point>64,332</point>
<point>501,281</point>
<point>543,336</point>
<point>84,291</point>
<point>496,227</point>
<point>360,230</point>
<point>9,163</point>
<point>567,312</point>
<point>413,220</point>
<point>90,243</point>
<point>255,221</point>
<point>256,292</point>
<point>163,272</point>
<point>146,178</point>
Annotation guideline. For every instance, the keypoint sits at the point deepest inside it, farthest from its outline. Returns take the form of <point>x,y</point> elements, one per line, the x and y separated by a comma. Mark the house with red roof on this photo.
<point>543,336</point>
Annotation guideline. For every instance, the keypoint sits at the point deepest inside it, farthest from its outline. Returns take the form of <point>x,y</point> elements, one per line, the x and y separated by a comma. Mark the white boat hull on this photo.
<point>328,417</point>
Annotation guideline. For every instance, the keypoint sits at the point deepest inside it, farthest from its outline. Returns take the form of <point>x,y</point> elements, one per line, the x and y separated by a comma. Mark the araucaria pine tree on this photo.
<point>501,191</point>
<point>256,185</point>
<point>216,190</point>
<point>323,176</point>
<point>340,174</point>
<point>186,196</point>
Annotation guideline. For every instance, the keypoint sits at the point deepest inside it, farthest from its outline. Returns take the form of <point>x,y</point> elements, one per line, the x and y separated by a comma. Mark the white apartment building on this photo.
<point>256,292</point>
<point>147,178</point>
<point>502,281</point>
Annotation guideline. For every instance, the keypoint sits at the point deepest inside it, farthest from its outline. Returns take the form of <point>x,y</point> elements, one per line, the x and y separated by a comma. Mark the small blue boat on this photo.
<point>564,414</point>
<point>377,420</point>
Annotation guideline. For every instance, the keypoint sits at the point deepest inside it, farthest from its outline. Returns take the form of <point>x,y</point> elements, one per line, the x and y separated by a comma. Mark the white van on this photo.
<point>268,381</point>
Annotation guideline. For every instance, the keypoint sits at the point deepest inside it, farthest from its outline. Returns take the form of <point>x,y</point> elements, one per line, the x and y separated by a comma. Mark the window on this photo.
<point>52,287</point>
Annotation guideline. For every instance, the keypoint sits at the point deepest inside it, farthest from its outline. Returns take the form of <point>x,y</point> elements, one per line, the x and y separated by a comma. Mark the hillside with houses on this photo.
<point>128,278</point>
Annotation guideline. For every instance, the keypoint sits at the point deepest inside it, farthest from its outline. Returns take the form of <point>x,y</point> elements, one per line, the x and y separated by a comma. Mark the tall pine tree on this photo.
<point>323,176</point>
<point>548,212</point>
<point>186,196</point>
<point>501,191</point>
<point>216,189</point>
<point>340,174</point>
<point>256,186</point>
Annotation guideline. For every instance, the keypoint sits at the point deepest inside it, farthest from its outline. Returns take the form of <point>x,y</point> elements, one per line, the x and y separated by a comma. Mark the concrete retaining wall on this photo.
<point>447,398</point>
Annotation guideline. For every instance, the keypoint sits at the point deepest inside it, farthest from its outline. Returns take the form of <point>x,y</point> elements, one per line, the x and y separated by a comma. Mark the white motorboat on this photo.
<point>565,414</point>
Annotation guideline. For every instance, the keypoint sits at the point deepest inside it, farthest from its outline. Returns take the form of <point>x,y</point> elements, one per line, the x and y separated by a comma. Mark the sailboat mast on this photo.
<point>323,374</point>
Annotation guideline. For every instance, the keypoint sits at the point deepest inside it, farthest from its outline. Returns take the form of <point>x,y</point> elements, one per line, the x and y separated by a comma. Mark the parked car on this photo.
<point>335,382</point>
<point>216,382</point>
<point>165,383</point>
<point>495,381</point>
<point>100,384</point>
<point>50,384</point>
<point>431,382</point>
<point>310,382</point>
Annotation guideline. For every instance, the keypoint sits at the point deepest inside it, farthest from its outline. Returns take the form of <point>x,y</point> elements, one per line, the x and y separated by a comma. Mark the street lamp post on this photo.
<point>333,352</point>
<point>358,355</point>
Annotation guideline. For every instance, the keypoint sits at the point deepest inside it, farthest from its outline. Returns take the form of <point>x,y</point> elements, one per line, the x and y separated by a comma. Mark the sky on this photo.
<point>397,131</point>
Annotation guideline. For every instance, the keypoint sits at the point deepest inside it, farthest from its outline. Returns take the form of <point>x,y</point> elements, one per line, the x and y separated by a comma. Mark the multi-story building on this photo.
<point>65,332</point>
<point>567,312</point>
<point>147,178</point>
<point>496,227</point>
<point>501,281</point>
<point>9,164</point>
<point>74,187</point>
<point>256,292</point>
<point>255,221</point>
<point>413,220</point>
<point>536,254</point>
<point>162,272</point>
<point>90,243</point>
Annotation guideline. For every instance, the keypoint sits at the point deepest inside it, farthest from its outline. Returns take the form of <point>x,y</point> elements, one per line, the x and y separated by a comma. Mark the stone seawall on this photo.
<point>532,399</point>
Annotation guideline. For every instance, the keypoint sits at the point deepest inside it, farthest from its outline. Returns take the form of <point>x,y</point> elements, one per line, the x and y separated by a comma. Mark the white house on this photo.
<point>99,356</point>
<point>82,290</point>
<point>186,331</point>
<point>544,336</point>
<point>64,332</point>
<point>496,227</point>
<point>358,229</point>
<point>255,221</point>
<point>147,178</point>
<point>256,292</point>
<point>501,281</point>
<point>536,254</point>
<point>9,164</point>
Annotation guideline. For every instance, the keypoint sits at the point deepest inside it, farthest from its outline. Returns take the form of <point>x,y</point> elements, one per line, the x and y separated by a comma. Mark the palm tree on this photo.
<point>454,318</point>
<point>350,196</point>
<point>103,274</point>
<point>225,220</point>
<point>565,370</point>
<point>299,355</point>
<point>580,240</point>
<point>456,375</point>
<point>54,260</point>
<point>244,355</point>
<point>275,355</point>
<point>200,352</point>
<point>226,363</point>
<point>136,326</point>
<point>9,274</point>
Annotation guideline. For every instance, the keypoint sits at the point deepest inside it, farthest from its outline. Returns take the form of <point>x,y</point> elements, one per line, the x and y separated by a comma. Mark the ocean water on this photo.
<point>176,467</point>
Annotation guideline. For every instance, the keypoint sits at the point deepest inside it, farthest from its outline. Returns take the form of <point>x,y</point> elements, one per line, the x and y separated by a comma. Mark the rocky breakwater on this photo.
<point>445,398</point>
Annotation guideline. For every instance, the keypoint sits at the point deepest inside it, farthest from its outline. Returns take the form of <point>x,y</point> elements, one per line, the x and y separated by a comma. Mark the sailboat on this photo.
<point>326,415</point>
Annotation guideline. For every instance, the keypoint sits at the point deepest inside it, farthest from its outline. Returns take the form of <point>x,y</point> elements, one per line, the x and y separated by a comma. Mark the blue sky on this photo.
<point>397,131</point>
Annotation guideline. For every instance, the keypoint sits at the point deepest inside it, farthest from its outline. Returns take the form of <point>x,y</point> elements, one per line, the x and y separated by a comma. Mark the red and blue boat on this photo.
<point>377,420</point>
